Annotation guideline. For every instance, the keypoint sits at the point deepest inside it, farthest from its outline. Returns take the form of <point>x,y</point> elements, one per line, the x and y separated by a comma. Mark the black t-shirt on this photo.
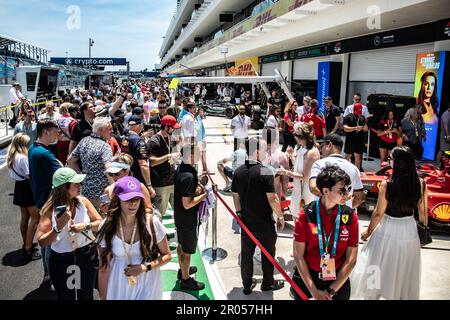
<point>186,182</point>
<point>330,118</point>
<point>252,182</point>
<point>81,130</point>
<point>352,120</point>
<point>163,174</point>
<point>134,145</point>
<point>275,101</point>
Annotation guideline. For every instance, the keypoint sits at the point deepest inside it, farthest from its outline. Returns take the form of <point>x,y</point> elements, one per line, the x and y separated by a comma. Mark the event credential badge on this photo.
<point>328,268</point>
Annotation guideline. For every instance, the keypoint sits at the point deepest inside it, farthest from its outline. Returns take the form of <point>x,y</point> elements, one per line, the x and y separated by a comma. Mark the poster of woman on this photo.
<point>430,68</point>
<point>427,98</point>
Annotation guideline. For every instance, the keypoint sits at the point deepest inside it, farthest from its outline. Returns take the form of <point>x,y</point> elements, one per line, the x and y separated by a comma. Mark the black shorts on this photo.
<point>387,145</point>
<point>187,238</point>
<point>228,172</point>
<point>23,195</point>
<point>354,146</point>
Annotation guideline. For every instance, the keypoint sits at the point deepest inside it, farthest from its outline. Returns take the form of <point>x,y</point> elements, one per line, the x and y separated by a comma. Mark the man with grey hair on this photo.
<point>95,155</point>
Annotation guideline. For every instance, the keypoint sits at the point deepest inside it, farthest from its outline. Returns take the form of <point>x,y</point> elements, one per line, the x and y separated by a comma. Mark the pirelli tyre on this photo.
<point>230,112</point>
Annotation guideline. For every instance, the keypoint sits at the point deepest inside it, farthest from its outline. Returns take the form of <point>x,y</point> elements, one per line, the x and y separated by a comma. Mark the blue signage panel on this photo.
<point>90,61</point>
<point>323,84</point>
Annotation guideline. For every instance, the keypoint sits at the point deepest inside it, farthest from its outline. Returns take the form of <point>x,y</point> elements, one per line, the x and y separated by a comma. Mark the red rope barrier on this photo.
<point>263,250</point>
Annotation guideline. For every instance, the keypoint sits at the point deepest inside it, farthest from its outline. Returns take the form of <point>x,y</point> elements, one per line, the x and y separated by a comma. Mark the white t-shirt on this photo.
<point>272,122</point>
<point>345,165</point>
<point>349,110</point>
<point>241,126</point>
<point>20,165</point>
<point>55,117</point>
<point>238,158</point>
<point>14,95</point>
<point>188,126</point>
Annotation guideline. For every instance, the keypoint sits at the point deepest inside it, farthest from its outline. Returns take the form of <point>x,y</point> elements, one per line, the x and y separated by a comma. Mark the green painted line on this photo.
<point>170,281</point>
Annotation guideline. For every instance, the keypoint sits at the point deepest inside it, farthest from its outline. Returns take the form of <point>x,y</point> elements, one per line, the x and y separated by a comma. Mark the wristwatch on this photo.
<point>148,266</point>
<point>331,291</point>
<point>88,226</point>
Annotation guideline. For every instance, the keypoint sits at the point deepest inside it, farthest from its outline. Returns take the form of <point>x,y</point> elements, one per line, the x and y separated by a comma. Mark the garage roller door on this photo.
<point>386,65</point>
<point>268,69</point>
<point>307,69</point>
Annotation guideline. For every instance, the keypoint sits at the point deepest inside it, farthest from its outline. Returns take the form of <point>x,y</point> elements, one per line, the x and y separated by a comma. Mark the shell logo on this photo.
<point>378,185</point>
<point>442,211</point>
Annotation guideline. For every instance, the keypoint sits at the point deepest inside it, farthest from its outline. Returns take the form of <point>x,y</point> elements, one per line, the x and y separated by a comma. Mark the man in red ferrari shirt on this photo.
<point>326,240</point>
<point>316,121</point>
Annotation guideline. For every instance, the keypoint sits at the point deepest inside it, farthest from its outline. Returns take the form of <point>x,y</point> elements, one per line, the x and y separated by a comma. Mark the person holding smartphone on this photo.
<point>68,231</point>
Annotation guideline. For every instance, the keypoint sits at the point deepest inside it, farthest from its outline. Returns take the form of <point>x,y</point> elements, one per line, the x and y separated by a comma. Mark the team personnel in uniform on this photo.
<point>354,127</point>
<point>326,240</point>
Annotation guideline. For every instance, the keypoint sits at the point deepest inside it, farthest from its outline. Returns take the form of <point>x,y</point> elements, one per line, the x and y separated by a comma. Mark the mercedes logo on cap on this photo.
<point>132,185</point>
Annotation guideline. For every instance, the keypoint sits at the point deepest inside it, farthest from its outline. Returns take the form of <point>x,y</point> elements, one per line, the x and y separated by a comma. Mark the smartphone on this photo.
<point>104,199</point>
<point>60,211</point>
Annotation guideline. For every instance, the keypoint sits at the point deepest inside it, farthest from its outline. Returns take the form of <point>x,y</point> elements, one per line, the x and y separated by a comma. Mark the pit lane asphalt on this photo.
<point>20,279</point>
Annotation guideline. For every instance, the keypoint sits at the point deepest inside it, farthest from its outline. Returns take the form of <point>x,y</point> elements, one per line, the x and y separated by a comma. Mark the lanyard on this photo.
<point>336,231</point>
<point>242,121</point>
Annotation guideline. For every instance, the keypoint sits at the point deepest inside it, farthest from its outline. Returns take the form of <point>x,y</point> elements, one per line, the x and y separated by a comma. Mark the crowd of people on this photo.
<point>95,176</point>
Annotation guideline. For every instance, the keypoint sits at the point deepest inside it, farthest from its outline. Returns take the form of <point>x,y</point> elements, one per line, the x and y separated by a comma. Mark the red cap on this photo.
<point>357,109</point>
<point>170,121</point>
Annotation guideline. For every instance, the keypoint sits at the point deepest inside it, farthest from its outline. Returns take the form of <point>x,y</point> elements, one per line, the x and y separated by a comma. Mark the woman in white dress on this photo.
<point>307,154</point>
<point>130,240</point>
<point>389,264</point>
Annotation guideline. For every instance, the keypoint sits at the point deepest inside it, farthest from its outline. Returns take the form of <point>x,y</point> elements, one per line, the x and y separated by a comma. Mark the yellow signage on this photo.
<point>246,67</point>
<point>442,211</point>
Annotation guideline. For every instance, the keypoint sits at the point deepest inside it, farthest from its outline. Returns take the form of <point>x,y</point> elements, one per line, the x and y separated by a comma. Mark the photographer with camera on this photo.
<point>161,156</point>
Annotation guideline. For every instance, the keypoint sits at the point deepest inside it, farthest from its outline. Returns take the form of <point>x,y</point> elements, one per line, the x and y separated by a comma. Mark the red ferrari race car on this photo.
<point>438,183</point>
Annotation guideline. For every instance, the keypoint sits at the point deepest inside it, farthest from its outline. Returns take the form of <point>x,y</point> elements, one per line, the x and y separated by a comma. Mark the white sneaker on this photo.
<point>52,288</point>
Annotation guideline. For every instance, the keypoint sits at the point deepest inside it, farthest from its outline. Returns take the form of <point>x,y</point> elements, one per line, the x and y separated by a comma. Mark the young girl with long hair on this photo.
<point>130,240</point>
<point>17,163</point>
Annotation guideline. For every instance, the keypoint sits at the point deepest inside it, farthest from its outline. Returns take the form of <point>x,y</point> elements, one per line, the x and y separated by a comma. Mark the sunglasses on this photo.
<point>115,174</point>
<point>300,136</point>
<point>345,190</point>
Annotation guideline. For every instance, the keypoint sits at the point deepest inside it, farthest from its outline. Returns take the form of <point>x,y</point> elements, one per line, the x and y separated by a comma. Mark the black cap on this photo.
<point>137,111</point>
<point>134,120</point>
<point>335,140</point>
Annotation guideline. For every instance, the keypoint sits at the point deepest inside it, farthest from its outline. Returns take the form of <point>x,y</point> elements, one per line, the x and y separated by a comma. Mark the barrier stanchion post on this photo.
<point>214,253</point>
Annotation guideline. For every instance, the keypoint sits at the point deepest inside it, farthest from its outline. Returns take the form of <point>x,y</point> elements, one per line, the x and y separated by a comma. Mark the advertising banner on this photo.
<point>246,67</point>
<point>90,61</point>
<point>428,91</point>
<point>323,84</point>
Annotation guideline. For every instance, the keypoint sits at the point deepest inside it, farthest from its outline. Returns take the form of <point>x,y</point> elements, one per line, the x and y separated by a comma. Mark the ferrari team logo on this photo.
<point>344,218</point>
<point>315,230</point>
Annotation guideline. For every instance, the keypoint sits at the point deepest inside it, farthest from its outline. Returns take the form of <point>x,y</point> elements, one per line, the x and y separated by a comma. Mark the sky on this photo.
<point>131,29</point>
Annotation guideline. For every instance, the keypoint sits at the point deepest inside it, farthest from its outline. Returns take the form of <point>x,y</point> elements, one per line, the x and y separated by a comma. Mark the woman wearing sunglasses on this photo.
<point>392,254</point>
<point>120,167</point>
<point>326,240</point>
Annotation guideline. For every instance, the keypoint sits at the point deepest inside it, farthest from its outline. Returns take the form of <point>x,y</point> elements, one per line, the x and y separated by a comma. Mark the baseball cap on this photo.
<point>117,167</point>
<point>138,110</point>
<point>170,121</point>
<point>335,139</point>
<point>154,111</point>
<point>128,188</point>
<point>66,175</point>
<point>134,120</point>
<point>327,98</point>
<point>357,109</point>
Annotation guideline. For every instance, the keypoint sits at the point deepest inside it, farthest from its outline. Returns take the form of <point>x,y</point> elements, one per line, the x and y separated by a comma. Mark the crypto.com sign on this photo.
<point>90,61</point>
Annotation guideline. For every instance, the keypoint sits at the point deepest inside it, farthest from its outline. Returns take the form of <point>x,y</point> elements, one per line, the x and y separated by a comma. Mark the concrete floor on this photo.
<point>435,258</point>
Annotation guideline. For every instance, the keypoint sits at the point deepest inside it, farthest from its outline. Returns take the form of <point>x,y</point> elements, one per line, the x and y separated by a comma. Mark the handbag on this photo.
<point>424,234</point>
<point>423,230</point>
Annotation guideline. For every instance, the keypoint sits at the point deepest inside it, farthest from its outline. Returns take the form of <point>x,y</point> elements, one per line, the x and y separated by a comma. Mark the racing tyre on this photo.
<point>230,112</point>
